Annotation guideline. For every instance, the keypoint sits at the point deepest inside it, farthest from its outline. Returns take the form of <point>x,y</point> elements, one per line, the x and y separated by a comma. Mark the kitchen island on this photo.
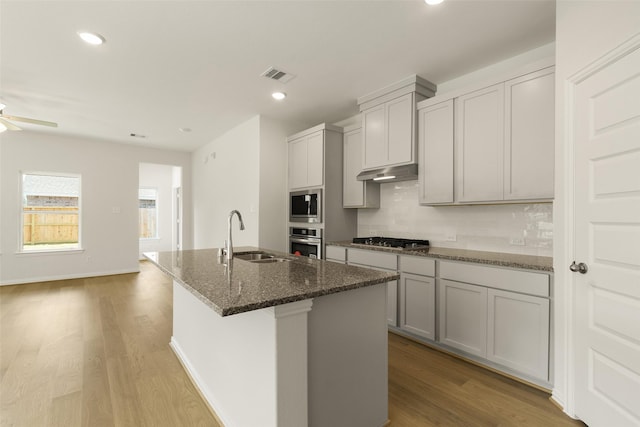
<point>296,342</point>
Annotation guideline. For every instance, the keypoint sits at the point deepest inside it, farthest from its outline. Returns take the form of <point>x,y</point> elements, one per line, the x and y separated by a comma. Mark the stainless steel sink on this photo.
<point>259,257</point>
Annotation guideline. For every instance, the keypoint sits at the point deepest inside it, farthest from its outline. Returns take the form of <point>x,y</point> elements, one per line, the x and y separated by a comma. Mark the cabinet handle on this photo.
<point>579,268</point>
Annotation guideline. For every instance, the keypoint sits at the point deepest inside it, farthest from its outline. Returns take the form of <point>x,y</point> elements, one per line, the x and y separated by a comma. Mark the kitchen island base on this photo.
<point>314,362</point>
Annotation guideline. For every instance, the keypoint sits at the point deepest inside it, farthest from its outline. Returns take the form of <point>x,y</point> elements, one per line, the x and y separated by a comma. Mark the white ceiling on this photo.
<point>197,64</point>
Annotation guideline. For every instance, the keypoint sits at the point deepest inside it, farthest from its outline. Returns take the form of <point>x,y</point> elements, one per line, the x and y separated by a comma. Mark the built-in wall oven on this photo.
<point>306,206</point>
<point>305,242</point>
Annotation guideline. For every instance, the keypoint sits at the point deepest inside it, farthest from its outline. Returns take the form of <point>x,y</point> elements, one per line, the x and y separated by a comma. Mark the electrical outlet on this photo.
<point>516,241</point>
<point>450,237</point>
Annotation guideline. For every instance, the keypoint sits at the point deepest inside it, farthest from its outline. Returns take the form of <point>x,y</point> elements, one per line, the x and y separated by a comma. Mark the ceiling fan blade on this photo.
<point>9,125</point>
<point>32,121</point>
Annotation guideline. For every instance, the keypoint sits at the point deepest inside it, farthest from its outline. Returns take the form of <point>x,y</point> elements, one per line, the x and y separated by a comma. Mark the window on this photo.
<point>50,212</point>
<point>148,213</point>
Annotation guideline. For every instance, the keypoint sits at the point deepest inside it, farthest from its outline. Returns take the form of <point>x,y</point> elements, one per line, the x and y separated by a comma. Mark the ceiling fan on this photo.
<point>5,121</point>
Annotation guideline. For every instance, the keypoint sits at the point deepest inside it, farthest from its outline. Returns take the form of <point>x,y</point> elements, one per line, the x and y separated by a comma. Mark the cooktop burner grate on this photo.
<point>391,242</point>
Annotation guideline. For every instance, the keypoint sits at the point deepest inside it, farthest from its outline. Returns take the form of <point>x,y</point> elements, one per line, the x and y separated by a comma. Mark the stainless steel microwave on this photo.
<point>306,206</point>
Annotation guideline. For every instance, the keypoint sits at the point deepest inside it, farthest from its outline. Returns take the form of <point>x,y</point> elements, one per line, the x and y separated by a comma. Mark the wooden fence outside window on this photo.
<point>50,225</point>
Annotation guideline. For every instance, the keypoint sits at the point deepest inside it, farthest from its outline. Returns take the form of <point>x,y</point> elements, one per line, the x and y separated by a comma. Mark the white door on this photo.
<point>606,142</point>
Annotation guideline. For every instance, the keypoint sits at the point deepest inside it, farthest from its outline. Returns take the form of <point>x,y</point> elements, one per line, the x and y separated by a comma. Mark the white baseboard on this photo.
<point>204,391</point>
<point>66,277</point>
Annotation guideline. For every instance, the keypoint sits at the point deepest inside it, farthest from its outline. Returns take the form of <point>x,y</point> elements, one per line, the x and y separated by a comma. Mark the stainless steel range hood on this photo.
<point>390,174</point>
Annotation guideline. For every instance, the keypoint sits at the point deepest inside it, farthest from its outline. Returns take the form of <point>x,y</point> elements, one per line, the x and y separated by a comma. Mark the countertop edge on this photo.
<point>545,264</point>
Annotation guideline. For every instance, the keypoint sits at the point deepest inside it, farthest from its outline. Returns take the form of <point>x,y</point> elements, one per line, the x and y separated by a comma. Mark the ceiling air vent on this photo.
<point>279,75</point>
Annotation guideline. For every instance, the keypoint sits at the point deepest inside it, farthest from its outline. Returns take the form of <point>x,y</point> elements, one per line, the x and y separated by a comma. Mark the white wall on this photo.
<point>485,228</point>
<point>109,180</point>
<point>160,177</point>
<point>226,172</point>
<point>600,25</point>
<point>273,184</point>
<point>244,169</point>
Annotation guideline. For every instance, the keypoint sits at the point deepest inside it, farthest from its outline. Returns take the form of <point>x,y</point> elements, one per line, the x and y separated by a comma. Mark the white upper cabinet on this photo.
<point>389,133</point>
<point>306,160</point>
<point>389,123</point>
<point>500,139</point>
<point>479,145</point>
<point>529,136</point>
<point>374,153</point>
<point>435,150</point>
<point>356,194</point>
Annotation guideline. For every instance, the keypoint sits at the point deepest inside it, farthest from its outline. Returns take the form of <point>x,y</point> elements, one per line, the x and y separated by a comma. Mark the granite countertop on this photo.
<point>247,286</point>
<point>529,262</point>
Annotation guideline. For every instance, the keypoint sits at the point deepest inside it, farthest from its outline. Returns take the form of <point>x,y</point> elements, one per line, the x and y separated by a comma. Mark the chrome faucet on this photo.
<point>228,244</point>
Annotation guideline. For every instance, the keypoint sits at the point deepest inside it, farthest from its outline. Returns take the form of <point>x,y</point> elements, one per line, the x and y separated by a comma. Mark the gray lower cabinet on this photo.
<point>379,261</point>
<point>417,296</point>
<point>463,316</point>
<point>418,305</point>
<point>497,316</point>
<point>518,332</point>
<point>502,316</point>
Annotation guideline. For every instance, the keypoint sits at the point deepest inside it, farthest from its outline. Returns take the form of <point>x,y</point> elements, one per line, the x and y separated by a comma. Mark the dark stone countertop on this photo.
<point>248,286</point>
<point>528,262</point>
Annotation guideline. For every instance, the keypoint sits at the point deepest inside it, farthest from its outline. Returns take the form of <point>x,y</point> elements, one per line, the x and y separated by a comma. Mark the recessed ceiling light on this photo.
<point>279,95</point>
<point>91,38</point>
<point>433,2</point>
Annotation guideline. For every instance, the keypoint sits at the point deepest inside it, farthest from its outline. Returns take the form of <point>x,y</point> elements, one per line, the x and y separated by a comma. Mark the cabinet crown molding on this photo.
<point>321,126</point>
<point>413,83</point>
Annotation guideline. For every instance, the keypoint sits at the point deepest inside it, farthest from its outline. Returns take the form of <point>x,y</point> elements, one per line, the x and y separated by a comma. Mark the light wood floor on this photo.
<point>94,352</point>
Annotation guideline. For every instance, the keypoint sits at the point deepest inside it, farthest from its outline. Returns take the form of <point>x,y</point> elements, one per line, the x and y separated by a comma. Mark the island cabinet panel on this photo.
<point>379,261</point>
<point>463,317</point>
<point>518,334</point>
<point>435,150</point>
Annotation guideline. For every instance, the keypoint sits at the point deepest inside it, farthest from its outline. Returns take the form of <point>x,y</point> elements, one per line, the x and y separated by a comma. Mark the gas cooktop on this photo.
<point>392,243</point>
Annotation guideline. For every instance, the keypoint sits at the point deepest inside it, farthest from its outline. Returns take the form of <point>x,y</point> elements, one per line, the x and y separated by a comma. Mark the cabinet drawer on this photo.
<point>510,280</point>
<point>336,253</point>
<point>417,265</point>
<point>373,259</point>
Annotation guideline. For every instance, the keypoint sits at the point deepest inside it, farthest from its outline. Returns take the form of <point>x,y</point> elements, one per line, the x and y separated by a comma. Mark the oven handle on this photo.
<point>305,240</point>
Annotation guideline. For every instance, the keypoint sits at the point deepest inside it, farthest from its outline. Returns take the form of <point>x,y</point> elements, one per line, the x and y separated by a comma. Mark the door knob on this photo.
<point>579,268</point>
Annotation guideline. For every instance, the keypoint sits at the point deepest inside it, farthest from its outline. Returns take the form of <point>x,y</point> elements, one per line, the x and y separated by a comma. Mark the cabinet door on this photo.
<point>518,335</point>
<point>352,189</point>
<point>314,160</point>
<point>298,163</point>
<point>463,316</point>
<point>435,167</point>
<point>529,136</point>
<point>418,305</point>
<point>374,148</point>
<point>480,145</point>
<point>400,136</point>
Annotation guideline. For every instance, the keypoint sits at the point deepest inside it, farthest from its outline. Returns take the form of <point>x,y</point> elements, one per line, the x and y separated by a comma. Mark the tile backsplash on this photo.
<point>513,228</point>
